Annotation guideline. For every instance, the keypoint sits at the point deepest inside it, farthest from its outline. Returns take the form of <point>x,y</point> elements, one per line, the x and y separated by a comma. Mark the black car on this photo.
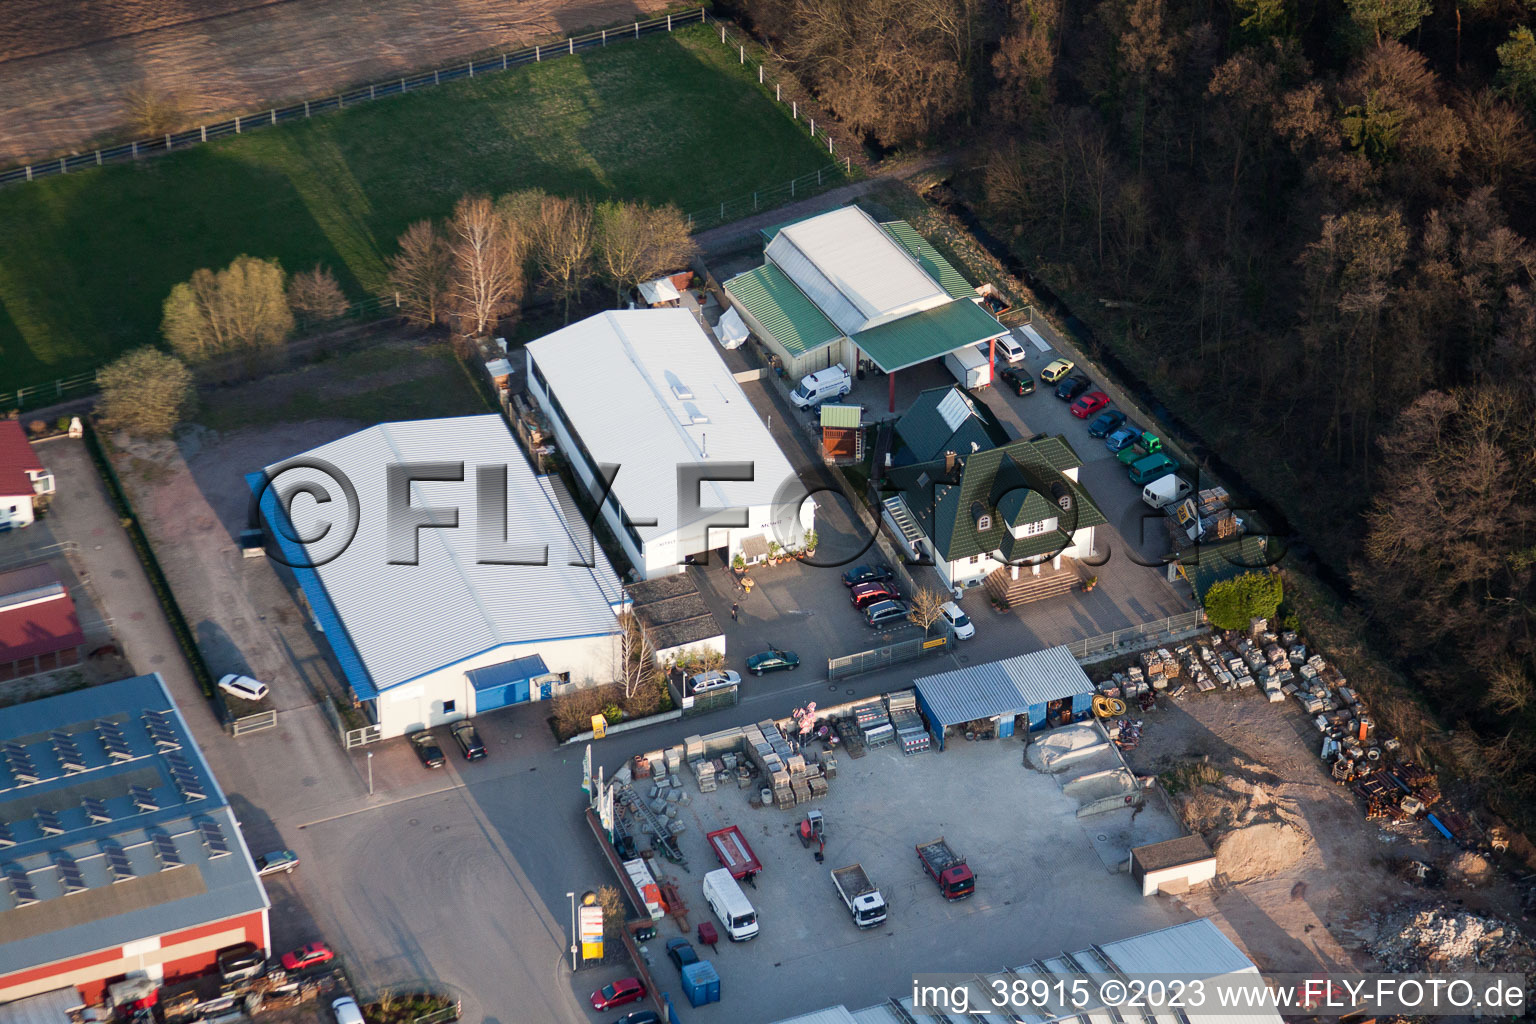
<point>681,952</point>
<point>1072,386</point>
<point>639,1017</point>
<point>427,750</point>
<point>1018,381</point>
<point>468,739</point>
<point>877,573</point>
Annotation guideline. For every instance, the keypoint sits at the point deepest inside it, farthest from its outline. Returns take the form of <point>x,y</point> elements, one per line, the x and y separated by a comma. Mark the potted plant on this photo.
<point>1090,583</point>
<point>775,553</point>
<point>810,542</point>
<point>739,563</point>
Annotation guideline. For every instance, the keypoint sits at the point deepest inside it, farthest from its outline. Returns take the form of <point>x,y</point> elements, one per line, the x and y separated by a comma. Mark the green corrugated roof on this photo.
<point>783,310</point>
<point>1208,563</point>
<point>928,335</point>
<point>937,267</point>
<point>944,508</point>
<point>841,415</point>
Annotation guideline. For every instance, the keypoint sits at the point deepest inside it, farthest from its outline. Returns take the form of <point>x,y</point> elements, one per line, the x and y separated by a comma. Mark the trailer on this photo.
<point>969,367</point>
<point>859,895</point>
<point>947,868</point>
<point>734,853</point>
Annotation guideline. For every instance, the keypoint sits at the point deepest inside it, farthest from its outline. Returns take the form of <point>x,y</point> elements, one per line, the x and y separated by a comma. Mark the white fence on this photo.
<point>253,723</point>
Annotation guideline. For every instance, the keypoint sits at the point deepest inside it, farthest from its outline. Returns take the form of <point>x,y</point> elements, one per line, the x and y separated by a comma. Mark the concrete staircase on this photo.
<point>1029,587</point>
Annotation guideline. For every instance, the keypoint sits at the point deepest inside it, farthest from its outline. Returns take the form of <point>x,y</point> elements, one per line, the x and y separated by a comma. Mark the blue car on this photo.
<point>1107,421</point>
<point>1122,438</point>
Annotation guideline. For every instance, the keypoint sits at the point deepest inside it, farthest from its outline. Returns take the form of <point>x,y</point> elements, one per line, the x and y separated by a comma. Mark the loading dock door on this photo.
<point>499,686</point>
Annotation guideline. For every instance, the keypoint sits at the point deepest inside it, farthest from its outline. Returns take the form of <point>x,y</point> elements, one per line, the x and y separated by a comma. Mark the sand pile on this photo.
<point>1441,938</point>
<point>1471,868</point>
<point>1258,851</point>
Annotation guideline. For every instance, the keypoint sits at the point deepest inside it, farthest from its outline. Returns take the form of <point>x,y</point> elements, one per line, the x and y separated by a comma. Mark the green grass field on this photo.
<point>89,258</point>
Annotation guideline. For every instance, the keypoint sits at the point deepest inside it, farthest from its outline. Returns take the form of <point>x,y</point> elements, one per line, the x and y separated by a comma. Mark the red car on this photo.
<point>1089,404</point>
<point>625,990</point>
<point>307,956</point>
<point>868,593</point>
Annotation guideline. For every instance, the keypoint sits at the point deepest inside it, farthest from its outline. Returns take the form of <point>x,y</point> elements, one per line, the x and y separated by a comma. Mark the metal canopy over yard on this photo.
<point>1024,684</point>
<point>929,334</point>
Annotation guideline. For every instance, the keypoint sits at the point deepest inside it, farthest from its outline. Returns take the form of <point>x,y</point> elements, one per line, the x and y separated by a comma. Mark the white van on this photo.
<point>1009,349</point>
<point>730,905</point>
<point>815,388</point>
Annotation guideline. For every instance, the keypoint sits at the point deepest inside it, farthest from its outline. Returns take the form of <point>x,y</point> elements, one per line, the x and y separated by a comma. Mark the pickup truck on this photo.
<point>860,896</point>
<point>1147,444</point>
<point>947,868</point>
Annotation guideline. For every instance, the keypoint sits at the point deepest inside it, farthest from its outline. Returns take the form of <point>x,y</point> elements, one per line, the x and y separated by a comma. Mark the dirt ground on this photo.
<point>1308,882</point>
<point>66,66</point>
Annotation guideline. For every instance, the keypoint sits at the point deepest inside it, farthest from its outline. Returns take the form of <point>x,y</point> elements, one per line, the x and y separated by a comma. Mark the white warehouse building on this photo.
<point>479,621</point>
<point>644,393</point>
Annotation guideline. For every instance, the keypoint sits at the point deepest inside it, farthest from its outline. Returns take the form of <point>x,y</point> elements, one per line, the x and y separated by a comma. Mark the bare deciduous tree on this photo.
<point>146,392</point>
<point>486,281</point>
<point>927,606</point>
<point>637,666</point>
<point>418,273</point>
<point>240,309</point>
<point>562,246</point>
<point>635,242</point>
<point>315,296</point>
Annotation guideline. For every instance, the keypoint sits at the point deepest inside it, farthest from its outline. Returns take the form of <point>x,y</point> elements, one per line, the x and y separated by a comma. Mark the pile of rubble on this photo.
<point>1439,938</point>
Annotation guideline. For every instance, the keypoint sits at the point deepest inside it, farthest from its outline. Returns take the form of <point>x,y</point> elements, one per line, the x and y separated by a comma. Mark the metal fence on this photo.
<point>748,203</point>
<point>46,394</point>
<point>1126,641</point>
<point>253,723</point>
<point>243,123</point>
<point>885,657</point>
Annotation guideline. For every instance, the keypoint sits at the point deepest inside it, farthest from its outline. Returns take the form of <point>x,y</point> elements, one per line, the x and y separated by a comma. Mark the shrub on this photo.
<point>146,392</point>
<point>62,423</point>
<point>37,428</point>
<point>613,713</point>
<point>1230,604</point>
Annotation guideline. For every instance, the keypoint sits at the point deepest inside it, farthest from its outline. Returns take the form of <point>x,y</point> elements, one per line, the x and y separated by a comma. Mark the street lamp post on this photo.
<point>572,897</point>
<point>370,773</point>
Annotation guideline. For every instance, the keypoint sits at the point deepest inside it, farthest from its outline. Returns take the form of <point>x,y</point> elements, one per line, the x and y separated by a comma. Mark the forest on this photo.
<point>1306,226</point>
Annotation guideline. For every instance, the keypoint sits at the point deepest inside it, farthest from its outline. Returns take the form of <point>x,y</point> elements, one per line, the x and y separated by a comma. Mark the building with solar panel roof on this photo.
<point>118,850</point>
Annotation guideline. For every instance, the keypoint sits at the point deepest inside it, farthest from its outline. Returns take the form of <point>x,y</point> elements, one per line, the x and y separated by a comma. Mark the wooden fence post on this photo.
<point>62,168</point>
<point>237,126</point>
<point>306,108</point>
<point>471,69</point>
<point>669,23</point>
<point>98,158</point>
<point>167,142</point>
<point>371,94</point>
<point>536,57</point>
<point>794,109</point>
<point>813,127</point>
<point>778,92</point>
<point>572,41</point>
<point>274,109</point>
<point>605,37</point>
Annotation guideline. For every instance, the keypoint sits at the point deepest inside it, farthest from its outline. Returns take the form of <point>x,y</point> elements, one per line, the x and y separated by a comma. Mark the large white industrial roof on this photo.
<point>646,391</point>
<point>853,270</point>
<point>408,620</point>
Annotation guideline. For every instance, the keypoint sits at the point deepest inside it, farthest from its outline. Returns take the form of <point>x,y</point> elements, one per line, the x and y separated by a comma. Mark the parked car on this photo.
<point>1009,348</point>
<point>241,963</point>
<point>278,860</point>
<point>681,952</point>
<point>427,751</point>
<point>706,681</point>
<point>625,990</point>
<point>877,573</point>
<point>639,1017</point>
<point>1087,405</point>
<point>468,739</point>
<point>958,621</point>
<point>1018,381</point>
<point>1072,386</point>
<point>885,613</point>
<point>347,1011</point>
<point>308,956</point>
<point>866,594</point>
<point>1123,437</point>
<point>773,660</point>
<point>243,687</point>
<point>1106,423</point>
<point>1056,370</point>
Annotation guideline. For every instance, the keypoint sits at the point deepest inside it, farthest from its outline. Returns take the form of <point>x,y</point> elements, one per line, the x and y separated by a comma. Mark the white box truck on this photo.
<point>970,367</point>
<point>730,905</point>
<point>1165,490</point>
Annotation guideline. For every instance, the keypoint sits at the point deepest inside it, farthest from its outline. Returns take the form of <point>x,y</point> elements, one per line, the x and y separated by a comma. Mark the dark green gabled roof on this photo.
<point>927,434</point>
<point>774,301</point>
<point>936,266</point>
<point>944,506</point>
<point>1208,563</point>
<point>927,335</point>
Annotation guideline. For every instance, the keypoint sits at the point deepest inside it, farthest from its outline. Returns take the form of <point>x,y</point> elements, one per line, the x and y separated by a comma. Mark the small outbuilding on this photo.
<point>39,627</point>
<point>1172,866</point>
<point>842,433</point>
<point>1042,688</point>
<point>674,618</point>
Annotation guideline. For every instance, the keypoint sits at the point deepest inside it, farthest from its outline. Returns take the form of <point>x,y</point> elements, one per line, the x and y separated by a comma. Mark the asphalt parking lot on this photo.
<point>1040,888</point>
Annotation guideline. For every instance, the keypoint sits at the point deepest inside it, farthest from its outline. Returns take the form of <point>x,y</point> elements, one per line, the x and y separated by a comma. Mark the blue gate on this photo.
<point>498,686</point>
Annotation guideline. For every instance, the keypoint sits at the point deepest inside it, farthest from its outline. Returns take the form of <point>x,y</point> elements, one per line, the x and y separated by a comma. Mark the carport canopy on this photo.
<point>1002,688</point>
<point>930,334</point>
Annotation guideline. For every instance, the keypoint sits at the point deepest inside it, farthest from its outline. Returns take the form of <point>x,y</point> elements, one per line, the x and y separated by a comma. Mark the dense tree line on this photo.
<point>1306,225</point>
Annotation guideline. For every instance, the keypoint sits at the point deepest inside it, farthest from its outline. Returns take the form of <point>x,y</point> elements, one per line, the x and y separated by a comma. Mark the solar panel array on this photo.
<point>68,754</point>
<point>144,798</point>
<point>21,887</point>
<point>188,783</point>
<point>158,723</point>
<point>117,862</point>
<point>19,762</point>
<point>48,821</point>
<point>113,740</point>
<point>70,878</point>
<point>96,810</point>
<point>213,838</point>
<point>165,849</point>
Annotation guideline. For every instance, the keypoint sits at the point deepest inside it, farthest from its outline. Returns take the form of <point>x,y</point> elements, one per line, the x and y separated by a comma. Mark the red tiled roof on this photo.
<point>16,458</point>
<point>37,615</point>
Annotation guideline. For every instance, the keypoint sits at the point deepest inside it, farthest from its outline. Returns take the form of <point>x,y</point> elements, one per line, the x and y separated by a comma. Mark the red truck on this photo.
<point>734,853</point>
<point>948,869</point>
